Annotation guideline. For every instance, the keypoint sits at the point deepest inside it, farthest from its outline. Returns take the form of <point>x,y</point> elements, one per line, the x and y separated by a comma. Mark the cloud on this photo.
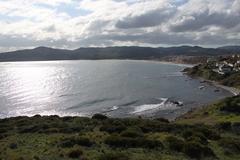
<point>82,23</point>
<point>198,14</point>
<point>148,19</point>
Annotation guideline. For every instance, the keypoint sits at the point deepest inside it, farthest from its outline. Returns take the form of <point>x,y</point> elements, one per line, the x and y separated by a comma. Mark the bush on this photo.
<point>114,156</point>
<point>126,142</point>
<point>113,128</point>
<point>191,135</point>
<point>3,130</point>
<point>230,145</point>
<point>199,139</point>
<point>2,136</point>
<point>175,143</point>
<point>99,117</point>
<point>34,128</point>
<point>204,132</point>
<point>231,104</point>
<point>13,146</point>
<point>227,126</point>
<point>132,132</point>
<point>76,153</point>
<point>196,150</point>
<point>232,80</point>
<point>157,127</point>
<point>70,142</point>
<point>236,127</point>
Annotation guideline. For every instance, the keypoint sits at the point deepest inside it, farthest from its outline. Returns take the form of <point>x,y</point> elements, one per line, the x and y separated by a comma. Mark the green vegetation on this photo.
<point>230,105</point>
<point>206,71</point>
<point>225,114</point>
<point>209,133</point>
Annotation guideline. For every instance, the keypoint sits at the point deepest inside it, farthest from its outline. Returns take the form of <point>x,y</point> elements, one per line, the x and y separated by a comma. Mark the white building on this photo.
<point>224,69</point>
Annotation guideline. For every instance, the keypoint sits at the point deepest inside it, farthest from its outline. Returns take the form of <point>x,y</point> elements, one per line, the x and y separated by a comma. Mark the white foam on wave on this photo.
<point>113,108</point>
<point>164,105</point>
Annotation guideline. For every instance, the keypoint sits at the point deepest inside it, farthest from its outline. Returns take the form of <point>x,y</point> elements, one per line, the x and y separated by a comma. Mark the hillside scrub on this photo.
<point>101,137</point>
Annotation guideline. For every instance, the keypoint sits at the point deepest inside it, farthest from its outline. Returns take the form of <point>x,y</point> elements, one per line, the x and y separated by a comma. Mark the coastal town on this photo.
<point>225,65</point>
<point>223,71</point>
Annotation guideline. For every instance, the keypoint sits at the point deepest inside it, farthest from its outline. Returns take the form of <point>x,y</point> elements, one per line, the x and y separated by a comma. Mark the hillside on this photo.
<point>138,53</point>
<point>209,133</point>
<point>213,71</point>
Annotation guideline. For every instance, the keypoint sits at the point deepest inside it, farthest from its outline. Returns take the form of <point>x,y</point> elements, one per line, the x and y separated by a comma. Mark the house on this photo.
<point>224,69</point>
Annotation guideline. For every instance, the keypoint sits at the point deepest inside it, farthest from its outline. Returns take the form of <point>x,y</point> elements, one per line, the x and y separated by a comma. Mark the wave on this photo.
<point>129,103</point>
<point>89,103</point>
<point>114,108</point>
<point>68,95</point>
<point>110,109</point>
<point>164,105</point>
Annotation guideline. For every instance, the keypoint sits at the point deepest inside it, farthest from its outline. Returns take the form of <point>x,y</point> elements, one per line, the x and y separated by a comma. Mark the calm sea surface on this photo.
<point>113,87</point>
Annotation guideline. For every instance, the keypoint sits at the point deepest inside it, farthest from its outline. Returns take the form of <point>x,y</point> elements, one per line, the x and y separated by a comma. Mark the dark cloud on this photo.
<point>148,19</point>
<point>155,38</point>
<point>200,20</point>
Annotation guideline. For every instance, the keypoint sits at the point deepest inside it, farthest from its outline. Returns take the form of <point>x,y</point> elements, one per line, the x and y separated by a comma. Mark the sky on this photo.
<point>71,24</point>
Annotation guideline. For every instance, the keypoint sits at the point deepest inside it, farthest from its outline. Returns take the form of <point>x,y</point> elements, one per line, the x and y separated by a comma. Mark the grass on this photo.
<point>209,133</point>
<point>226,110</point>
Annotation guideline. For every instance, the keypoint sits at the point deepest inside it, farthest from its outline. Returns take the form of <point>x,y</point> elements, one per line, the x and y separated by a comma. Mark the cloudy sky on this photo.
<point>82,23</point>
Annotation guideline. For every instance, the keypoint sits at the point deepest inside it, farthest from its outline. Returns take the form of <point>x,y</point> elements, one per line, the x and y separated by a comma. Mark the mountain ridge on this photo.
<point>116,52</point>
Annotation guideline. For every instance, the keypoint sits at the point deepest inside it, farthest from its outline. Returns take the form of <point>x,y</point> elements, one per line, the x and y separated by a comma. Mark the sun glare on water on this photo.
<point>31,87</point>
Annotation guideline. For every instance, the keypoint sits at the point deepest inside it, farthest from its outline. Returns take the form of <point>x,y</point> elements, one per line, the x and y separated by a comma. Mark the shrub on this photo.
<point>34,128</point>
<point>230,145</point>
<point>114,156</point>
<point>126,142</point>
<point>192,135</point>
<point>132,132</point>
<point>70,142</point>
<point>113,128</point>
<point>196,150</point>
<point>99,117</point>
<point>203,132</point>
<point>157,127</point>
<point>209,133</point>
<point>236,127</point>
<point>75,153</point>
<point>199,139</point>
<point>224,126</point>
<point>2,136</point>
<point>13,146</point>
<point>231,104</point>
<point>51,130</point>
<point>3,130</point>
<point>175,143</point>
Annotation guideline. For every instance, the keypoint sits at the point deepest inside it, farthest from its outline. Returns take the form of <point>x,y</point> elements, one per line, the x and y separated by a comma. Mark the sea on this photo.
<point>116,88</point>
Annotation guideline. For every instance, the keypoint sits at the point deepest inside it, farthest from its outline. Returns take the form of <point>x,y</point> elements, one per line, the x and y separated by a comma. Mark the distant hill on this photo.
<point>231,48</point>
<point>133,52</point>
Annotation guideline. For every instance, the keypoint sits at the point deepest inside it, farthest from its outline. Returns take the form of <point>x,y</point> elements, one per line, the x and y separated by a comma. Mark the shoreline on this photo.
<point>234,91</point>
